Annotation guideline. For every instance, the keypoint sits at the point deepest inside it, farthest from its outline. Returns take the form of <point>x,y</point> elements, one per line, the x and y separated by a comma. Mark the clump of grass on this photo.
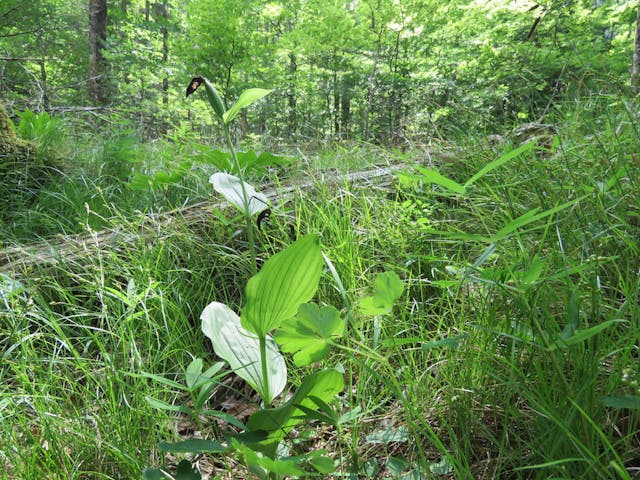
<point>479,371</point>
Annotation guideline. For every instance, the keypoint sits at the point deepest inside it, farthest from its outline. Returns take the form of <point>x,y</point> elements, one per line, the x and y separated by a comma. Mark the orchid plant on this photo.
<point>277,316</point>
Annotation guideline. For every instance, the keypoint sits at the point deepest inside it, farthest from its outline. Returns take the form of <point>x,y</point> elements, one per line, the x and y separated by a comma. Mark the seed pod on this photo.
<point>214,99</point>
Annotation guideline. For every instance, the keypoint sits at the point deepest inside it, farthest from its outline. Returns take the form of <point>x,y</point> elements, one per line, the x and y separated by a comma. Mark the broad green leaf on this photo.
<point>443,467</point>
<point>224,417</point>
<point>632,402</point>
<point>153,474</point>
<point>386,290</point>
<point>389,435</point>
<point>241,349</point>
<point>212,156</point>
<point>268,159</point>
<point>580,336</point>
<point>370,468</point>
<point>160,405</point>
<point>193,372</point>
<point>261,465</point>
<point>529,217</point>
<point>309,333</point>
<point>433,176</point>
<point>247,161</point>
<point>192,445</point>
<point>527,147</point>
<point>286,280</point>
<point>352,415</point>
<point>279,421</point>
<point>323,464</point>
<point>453,342</point>
<point>397,465</point>
<point>247,98</point>
<point>311,414</point>
<point>230,187</point>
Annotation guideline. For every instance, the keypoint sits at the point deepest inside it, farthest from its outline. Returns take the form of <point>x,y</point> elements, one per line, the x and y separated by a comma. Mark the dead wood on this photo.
<point>73,247</point>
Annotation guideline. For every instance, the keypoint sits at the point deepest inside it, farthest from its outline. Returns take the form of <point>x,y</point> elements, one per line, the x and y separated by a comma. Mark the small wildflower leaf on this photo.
<point>322,464</point>
<point>389,435</point>
<point>241,349</point>
<point>229,187</point>
<point>286,280</point>
<point>443,467</point>
<point>309,333</point>
<point>246,99</point>
<point>397,465</point>
<point>387,289</point>
<point>632,402</point>
<point>192,445</point>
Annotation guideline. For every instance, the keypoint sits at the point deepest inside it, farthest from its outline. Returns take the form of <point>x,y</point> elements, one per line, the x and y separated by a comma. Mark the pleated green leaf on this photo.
<point>309,334</point>
<point>287,280</point>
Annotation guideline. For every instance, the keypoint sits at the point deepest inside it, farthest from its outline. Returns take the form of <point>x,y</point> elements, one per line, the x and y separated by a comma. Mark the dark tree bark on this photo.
<point>336,104</point>
<point>291,95</point>
<point>164,14</point>
<point>635,66</point>
<point>97,39</point>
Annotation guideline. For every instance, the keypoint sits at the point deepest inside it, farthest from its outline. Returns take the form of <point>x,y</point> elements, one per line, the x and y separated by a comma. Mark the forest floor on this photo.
<point>512,351</point>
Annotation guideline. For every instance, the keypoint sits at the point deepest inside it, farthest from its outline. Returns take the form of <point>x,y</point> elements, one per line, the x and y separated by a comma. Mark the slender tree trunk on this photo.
<point>97,38</point>
<point>291,95</point>
<point>336,104</point>
<point>43,85</point>
<point>635,66</point>
<point>345,108</point>
<point>123,35</point>
<point>165,51</point>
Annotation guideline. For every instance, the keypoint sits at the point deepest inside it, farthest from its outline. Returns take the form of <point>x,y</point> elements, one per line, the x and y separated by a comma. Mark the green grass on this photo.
<point>469,362</point>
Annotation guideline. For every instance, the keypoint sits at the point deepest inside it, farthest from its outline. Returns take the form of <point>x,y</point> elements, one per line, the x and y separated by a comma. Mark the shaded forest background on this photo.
<point>382,71</point>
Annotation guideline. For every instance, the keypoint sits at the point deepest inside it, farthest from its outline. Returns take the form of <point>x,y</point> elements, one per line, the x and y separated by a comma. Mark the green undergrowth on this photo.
<point>513,352</point>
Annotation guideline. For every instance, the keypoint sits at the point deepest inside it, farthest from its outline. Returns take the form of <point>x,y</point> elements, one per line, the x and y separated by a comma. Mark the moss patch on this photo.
<point>23,170</point>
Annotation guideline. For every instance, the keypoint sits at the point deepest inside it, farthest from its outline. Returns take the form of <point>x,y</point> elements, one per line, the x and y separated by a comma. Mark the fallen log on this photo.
<point>70,247</point>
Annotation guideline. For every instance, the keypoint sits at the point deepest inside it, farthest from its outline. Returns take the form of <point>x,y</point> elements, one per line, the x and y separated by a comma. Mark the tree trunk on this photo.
<point>97,38</point>
<point>165,51</point>
<point>291,95</point>
<point>336,105</point>
<point>635,67</point>
<point>345,110</point>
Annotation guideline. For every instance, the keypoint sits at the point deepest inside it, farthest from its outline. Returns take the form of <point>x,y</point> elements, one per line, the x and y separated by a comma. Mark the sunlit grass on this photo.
<point>468,367</point>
